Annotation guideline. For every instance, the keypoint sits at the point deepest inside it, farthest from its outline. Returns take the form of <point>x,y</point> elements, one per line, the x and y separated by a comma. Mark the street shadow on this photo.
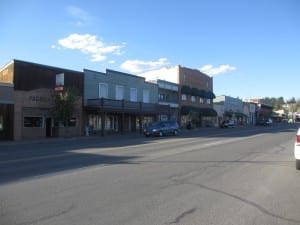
<point>20,169</point>
<point>30,159</point>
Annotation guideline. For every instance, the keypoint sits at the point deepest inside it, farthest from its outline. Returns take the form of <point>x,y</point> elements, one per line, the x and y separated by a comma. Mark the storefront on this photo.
<point>6,104</point>
<point>26,101</point>
<point>33,116</point>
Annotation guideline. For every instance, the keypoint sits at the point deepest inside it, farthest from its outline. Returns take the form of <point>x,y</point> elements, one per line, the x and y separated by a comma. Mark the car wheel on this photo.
<point>175,132</point>
<point>160,133</point>
<point>298,164</point>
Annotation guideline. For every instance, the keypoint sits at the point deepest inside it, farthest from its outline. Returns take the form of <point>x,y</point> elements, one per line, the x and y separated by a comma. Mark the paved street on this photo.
<point>243,176</point>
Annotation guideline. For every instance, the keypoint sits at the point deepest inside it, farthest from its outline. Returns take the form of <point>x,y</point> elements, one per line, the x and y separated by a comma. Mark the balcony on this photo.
<point>122,106</point>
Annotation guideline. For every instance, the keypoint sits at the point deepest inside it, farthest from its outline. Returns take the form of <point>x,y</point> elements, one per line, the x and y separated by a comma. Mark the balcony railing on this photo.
<point>112,105</point>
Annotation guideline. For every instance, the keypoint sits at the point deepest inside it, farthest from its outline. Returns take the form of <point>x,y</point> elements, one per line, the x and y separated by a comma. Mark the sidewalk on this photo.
<point>46,140</point>
<point>107,137</point>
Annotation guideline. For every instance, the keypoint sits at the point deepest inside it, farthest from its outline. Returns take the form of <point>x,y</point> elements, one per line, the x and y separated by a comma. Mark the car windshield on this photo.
<point>154,124</point>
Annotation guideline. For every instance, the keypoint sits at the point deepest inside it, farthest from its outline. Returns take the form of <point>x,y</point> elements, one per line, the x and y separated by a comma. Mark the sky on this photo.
<point>251,48</point>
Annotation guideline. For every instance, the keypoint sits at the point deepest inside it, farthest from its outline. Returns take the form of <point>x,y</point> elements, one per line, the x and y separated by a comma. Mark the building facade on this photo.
<point>232,109</point>
<point>26,103</point>
<point>195,94</point>
<point>119,102</point>
<point>168,95</point>
<point>263,110</point>
<point>6,103</point>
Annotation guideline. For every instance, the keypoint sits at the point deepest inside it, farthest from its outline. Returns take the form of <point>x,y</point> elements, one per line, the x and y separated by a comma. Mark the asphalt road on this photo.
<point>243,176</point>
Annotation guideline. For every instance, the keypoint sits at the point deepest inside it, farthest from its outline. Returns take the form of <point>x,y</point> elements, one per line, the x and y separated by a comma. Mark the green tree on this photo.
<point>291,101</point>
<point>276,103</point>
<point>64,105</point>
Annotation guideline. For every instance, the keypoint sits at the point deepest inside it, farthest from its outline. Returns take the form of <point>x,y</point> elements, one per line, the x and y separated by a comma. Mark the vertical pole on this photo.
<point>102,123</point>
<point>141,123</point>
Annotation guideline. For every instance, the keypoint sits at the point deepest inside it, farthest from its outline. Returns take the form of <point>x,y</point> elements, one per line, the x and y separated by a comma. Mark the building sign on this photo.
<point>39,99</point>
<point>60,80</point>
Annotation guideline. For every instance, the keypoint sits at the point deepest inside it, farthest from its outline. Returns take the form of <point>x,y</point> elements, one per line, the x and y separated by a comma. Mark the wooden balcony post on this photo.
<point>102,123</point>
<point>101,102</point>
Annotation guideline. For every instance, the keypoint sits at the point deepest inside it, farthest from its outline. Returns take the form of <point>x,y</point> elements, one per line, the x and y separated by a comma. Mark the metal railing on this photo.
<point>105,104</point>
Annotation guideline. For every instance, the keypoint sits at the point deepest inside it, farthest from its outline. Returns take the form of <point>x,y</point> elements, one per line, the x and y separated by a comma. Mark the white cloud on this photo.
<point>210,70</point>
<point>89,44</point>
<point>55,47</point>
<point>80,15</point>
<point>137,66</point>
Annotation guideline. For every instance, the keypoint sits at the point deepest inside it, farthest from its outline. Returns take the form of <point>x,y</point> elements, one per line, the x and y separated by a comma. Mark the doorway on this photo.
<point>48,127</point>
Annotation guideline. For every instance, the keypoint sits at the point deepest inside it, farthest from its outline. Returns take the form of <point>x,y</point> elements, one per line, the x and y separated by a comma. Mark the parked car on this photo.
<point>269,122</point>
<point>227,124</point>
<point>162,128</point>
<point>297,149</point>
<point>265,122</point>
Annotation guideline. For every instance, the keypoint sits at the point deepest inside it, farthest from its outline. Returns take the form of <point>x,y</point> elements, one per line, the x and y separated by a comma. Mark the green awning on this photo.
<point>197,92</point>
<point>202,111</point>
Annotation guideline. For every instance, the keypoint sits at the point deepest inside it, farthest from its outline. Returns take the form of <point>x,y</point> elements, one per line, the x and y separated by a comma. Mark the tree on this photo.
<point>276,103</point>
<point>64,105</point>
<point>291,101</point>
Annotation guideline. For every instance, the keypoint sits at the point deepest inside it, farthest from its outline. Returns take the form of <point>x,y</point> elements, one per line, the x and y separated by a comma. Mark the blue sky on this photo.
<point>250,47</point>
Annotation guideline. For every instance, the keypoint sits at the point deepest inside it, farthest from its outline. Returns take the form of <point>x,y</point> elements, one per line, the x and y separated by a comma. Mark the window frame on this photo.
<point>33,122</point>
<point>133,97</point>
<point>120,95</point>
<point>146,96</point>
<point>193,98</point>
<point>106,91</point>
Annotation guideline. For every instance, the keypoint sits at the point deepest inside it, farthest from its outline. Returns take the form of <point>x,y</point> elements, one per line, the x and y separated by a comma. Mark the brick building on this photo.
<point>195,94</point>
<point>26,101</point>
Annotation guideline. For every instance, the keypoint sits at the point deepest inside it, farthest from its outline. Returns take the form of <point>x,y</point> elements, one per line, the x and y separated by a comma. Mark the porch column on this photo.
<point>122,123</point>
<point>102,123</point>
<point>141,123</point>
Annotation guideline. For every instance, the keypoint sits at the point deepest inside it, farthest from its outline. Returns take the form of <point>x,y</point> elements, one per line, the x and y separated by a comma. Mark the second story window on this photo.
<point>208,101</point>
<point>163,97</point>
<point>183,97</point>
<point>103,90</point>
<point>146,96</point>
<point>119,92</point>
<point>193,98</point>
<point>201,100</point>
<point>133,94</point>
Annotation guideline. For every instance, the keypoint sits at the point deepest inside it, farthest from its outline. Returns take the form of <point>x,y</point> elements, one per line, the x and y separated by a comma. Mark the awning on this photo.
<point>197,92</point>
<point>202,111</point>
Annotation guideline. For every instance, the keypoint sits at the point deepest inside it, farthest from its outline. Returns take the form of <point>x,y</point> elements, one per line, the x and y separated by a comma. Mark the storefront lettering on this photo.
<point>39,99</point>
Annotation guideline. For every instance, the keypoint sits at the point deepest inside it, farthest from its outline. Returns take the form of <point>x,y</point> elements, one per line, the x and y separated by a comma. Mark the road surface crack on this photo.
<point>182,215</point>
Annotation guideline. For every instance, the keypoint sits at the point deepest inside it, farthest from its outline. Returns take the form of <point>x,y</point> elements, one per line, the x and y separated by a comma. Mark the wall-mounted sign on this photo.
<point>60,81</point>
<point>38,98</point>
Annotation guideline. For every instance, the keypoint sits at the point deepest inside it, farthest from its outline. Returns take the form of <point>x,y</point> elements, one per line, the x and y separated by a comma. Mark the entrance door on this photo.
<point>48,127</point>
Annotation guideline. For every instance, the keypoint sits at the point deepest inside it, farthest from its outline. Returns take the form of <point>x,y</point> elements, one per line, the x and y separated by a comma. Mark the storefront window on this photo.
<point>33,121</point>
<point>1,123</point>
<point>95,122</point>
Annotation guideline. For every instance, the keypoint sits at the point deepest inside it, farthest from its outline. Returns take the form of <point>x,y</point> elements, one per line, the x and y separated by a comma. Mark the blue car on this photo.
<point>162,128</point>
